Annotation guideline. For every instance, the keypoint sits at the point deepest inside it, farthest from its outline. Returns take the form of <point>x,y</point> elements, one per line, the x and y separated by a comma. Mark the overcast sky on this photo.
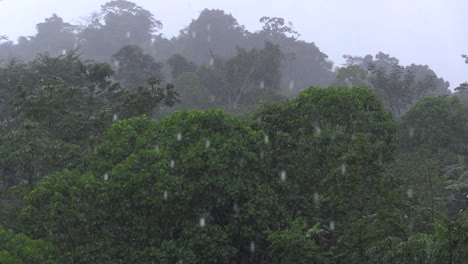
<point>428,32</point>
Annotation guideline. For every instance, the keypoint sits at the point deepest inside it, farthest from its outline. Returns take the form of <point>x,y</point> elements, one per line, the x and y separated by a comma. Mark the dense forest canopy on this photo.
<point>220,145</point>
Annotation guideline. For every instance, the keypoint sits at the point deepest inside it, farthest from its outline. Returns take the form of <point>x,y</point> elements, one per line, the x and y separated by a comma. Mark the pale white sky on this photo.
<point>428,32</point>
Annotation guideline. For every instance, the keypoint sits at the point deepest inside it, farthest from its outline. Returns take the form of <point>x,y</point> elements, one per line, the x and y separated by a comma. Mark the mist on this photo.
<point>233,132</point>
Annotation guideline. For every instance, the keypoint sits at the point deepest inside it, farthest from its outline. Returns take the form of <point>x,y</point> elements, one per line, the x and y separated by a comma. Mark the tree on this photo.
<point>297,244</point>
<point>192,92</point>
<point>54,36</point>
<point>179,65</point>
<point>119,23</point>
<point>351,76</point>
<point>197,177</point>
<point>462,90</point>
<point>329,145</point>
<point>28,153</point>
<point>433,149</point>
<point>436,123</point>
<point>395,88</point>
<point>6,49</point>
<point>250,71</point>
<point>58,110</point>
<point>400,87</point>
<point>125,16</point>
<point>213,32</point>
<point>304,64</point>
<point>134,67</point>
<point>277,26</point>
<point>19,249</point>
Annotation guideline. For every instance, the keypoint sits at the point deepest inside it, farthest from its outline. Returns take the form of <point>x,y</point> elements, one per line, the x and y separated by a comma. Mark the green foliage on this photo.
<point>134,67</point>
<point>179,65</point>
<point>416,249</point>
<point>396,87</point>
<point>53,123</point>
<point>399,87</point>
<point>437,123</point>
<point>28,153</point>
<point>144,101</point>
<point>57,209</point>
<point>351,76</point>
<point>316,179</point>
<point>246,79</point>
<point>197,177</point>
<point>192,92</point>
<point>299,245</point>
<point>332,144</point>
<point>19,249</point>
<point>446,245</point>
<point>432,164</point>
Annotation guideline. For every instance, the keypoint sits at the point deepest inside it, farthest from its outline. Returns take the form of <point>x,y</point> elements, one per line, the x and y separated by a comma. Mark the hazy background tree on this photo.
<point>134,67</point>
<point>119,23</point>
<point>400,87</point>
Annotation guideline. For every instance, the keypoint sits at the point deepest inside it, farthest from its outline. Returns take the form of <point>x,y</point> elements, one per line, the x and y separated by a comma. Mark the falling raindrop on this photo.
<point>343,169</point>
<point>202,221</point>
<point>172,163</point>
<point>128,34</point>
<point>235,208</point>
<point>348,83</point>
<point>106,176</point>
<point>262,154</point>
<point>318,130</point>
<point>64,51</point>
<point>353,136</point>
<point>428,251</point>
<point>252,246</point>
<point>262,84</point>
<point>208,27</point>
<point>157,148</point>
<point>165,195</point>
<point>283,175</point>
<point>116,64</point>
<point>409,193</point>
<point>207,143</point>
<point>291,85</point>
<point>212,98</point>
<point>411,225</point>
<point>332,225</point>
<point>179,136</point>
<point>114,118</point>
<point>194,34</point>
<point>411,132</point>
<point>333,136</point>
<point>266,139</point>
<point>316,197</point>
<point>211,61</point>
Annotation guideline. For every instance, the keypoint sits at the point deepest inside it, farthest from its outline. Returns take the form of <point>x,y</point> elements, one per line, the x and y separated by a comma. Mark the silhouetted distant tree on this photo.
<point>119,23</point>
<point>134,67</point>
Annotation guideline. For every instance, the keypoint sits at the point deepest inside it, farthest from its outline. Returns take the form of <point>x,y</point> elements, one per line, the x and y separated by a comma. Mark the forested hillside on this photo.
<point>220,145</point>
